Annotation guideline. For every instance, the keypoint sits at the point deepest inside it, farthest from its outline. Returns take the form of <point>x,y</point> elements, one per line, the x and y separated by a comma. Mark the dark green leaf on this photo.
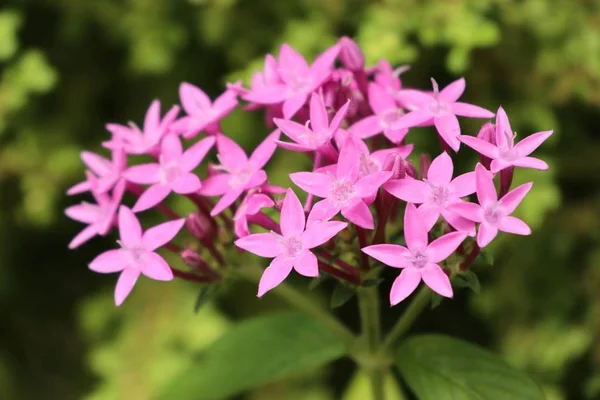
<point>372,282</point>
<point>438,367</point>
<point>314,283</point>
<point>205,294</point>
<point>341,295</point>
<point>467,279</point>
<point>253,353</point>
<point>436,300</point>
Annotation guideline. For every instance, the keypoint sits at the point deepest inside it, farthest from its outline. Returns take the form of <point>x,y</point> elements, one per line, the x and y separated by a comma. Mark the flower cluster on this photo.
<point>354,122</point>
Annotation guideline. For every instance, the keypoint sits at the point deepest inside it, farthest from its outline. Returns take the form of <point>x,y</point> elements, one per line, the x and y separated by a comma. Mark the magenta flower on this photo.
<point>419,260</point>
<point>173,172</point>
<point>250,206</point>
<point>291,249</point>
<point>437,193</point>
<point>493,214</point>
<point>317,133</point>
<point>146,141</point>
<point>108,172</point>
<point>99,217</point>
<point>439,109</point>
<point>505,153</point>
<point>387,114</point>
<point>137,253</point>
<point>202,113</point>
<point>343,191</point>
<point>298,80</point>
<point>241,173</point>
<point>388,78</point>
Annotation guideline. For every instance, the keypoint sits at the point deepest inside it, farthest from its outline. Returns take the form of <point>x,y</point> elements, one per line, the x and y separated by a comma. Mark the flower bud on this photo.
<point>192,259</point>
<point>200,227</point>
<point>351,55</point>
<point>399,166</point>
<point>487,133</point>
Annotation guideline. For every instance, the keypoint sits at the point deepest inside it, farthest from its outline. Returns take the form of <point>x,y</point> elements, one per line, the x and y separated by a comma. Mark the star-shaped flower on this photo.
<point>108,172</point>
<point>250,206</point>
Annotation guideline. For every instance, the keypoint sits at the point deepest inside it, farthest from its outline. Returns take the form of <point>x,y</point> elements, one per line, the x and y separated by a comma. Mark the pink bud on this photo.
<point>487,133</point>
<point>351,55</point>
<point>199,226</point>
<point>399,166</point>
<point>192,259</point>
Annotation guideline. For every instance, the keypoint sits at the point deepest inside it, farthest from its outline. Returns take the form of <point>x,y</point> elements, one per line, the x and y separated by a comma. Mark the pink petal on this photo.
<point>531,162</point>
<point>215,185</point>
<point>290,60</point>
<point>322,211</point>
<point>481,146</point>
<point>449,129</point>
<point>349,161</point>
<point>412,119</point>
<point>408,189</point>
<point>78,188</point>
<point>151,197</point>
<point>258,201</point>
<point>152,118</point>
<point>159,235</point>
<point>109,261</point>
<point>470,110</point>
<point>486,191</point>
<point>291,129</point>
<point>231,155</point>
<point>130,230</point>
<point>379,99</point>
<point>442,247</point>
<point>312,182</point>
<point>430,213</point>
<point>145,174</point>
<point>437,280</point>
<point>463,185</point>
<point>459,223</point>
<point>441,170</point>
<point>193,156</point>
<point>532,142</point>
<point>499,164</point>
<point>323,64</point>
<point>404,285</point>
<point>261,244</point>
<point>358,212</point>
<point>292,217</point>
<point>514,225</point>
<point>318,233</point>
<point>257,179</point>
<point>225,102</point>
<point>155,267</point>
<point>268,95</point>
<point>295,147</point>
<point>263,153</point>
<point>97,164</point>
<point>85,212</point>
<point>453,91</point>
<point>512,199</point>
<point>293,104</point>
<point>470,211</point>
<point>125,284</point>
<point>339,116</point>
<point>370,184</point>
<point>395,136</point>
<point>502,128</point>
<point>415,232</point>
<point>193,98</point>
<point>170,148</point>
<point>486,234</point>
<point>366,127</point>
<point>274,274</point>
<point>412,99</point>
<point>306,264</point>
<point>86,234</point>
<point>319,119</point>
<point>228,199</point>
<point>188,183</point>
<point>390,254</point>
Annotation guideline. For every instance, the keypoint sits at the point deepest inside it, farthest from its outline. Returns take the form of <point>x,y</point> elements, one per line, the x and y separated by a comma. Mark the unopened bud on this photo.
<point>424,163</point>
<point>399,166</point>
<point>192,259</point>
<point>199,226</point>
<point>487,133</point>
<point>351,55</point>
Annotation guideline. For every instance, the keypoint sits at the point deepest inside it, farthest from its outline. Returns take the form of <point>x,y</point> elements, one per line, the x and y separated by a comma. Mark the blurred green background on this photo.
<point>69,66</point>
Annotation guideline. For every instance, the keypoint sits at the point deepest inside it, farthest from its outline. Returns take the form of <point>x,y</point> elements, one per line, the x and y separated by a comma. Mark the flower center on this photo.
<point>341,192</point>
<point>292,246</point>
<point>491,215</point>
<point>439,108</point>
<point>390,117</point>
<point>367,166</point>
<point>240,177</point>
<point>418,259</point>
<point>136,255</point>
<point>440,195</point>
<point>508,154</point>
<point>170,173</point>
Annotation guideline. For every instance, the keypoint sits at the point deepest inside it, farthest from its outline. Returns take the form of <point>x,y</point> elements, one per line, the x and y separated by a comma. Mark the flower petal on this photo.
<point>318,233</point>
<point>293,104</point>
<point>86,234</point>
<point>390,254</point>
<point>322,211</point>
<point>449,129</point>
<point>84,212</point>
<point>292,217</point>
<point>453,91</point>
<point>404,285</point>
<point>442,247</point>
<point>188,183</point>
<point>370,184</point>
<point>380,100</point>
<point>486,234</point>
<point>155,267</point>
<point>322,66</point>
<point>509,202</point>
<point>412,99</point>
<point>463,185</point>
<point>338,118</point>
<point>358,212</point>
<point>412,119</point>
<point>531,162</point>
<point>97,164</point>
<point>441,169</point>
<point>514,225</point>
<point>470,110</point>
<point>274,274</point>
<point>527,146</point>
<point>481,146</point>
<point>312,182</point>
<point>145,174</point>
<point>261,244</point>
<point>151,197</point>
<point>408,189</point>
<point>130,229</point>
<point>193,98</point>
<point>503,128</point>
<point>109,261</point>
<point>366,127</point>
<point>170,148</point>
<point>415,232</point>
<point>437,280</point>
<point>486,191</point>
<point>231,155</point>
<point>459,223</point>
<point>228,199</point>
<point>291,129</point>
<point>306,264</point>
<point>159,235</point>
<point>349,161</point>
<point>263,153</point>
<point>215,185</point>
<point>193,156</point>
<point>470,211</point>
<point>125,284</point>
<point>319,119</point>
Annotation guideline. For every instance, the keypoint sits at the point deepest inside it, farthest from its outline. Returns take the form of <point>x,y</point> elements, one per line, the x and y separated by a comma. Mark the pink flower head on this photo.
<point>317,133</point>
<point>439,109</point>
<point>298,80</point>
<point>437,193</point>
<point>419,260</point>
<point>250,206</point>
<point>343,191</point>
<point>202,113</point>
<point>291,249</point>
<point>493,214</point>
<point>387,114</point>
<point>505,153</point>
<point>388,78</point>
<point>240,172</point>
<point>108,172</point>
<point>173,172</point>
<point>100,216</point>
<point>137,253</point>
<point>146,141</point>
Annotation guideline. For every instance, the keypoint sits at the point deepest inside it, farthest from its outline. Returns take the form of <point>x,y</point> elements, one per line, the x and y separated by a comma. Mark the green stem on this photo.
<point>368,299</point>
<point>301,301</point>
<point>408,318</point>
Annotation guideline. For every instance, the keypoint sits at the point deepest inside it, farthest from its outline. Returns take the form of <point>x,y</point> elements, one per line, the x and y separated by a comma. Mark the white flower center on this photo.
<point>418,259</point>
<point>440,195</point>
<point>341,192</point>
<point>439,108</point>
<point>170,172</point>
<point>491,215</point>
<point>389,117</point>
<point>291,246</point>
<point>240,177</point>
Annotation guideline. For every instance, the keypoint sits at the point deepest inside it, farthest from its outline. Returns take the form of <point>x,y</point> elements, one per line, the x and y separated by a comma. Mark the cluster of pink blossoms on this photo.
<point>353,122</point>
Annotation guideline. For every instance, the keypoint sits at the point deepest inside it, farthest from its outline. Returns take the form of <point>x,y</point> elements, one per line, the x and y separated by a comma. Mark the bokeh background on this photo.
<point>69,66</point>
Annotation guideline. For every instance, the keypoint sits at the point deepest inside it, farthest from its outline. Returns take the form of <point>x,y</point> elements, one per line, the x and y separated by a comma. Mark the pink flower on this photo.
<point>351,55</point>
<point>317,133</point>
<point>137,253</point>
<point>202,114</point>
<point>387,115</point>
<point>298,80</point>
<point>241,173</point>
<point>173,172</point>
<point>505,153</point>
<point>291,249</point>
<point>343,191</point>
<point>388,78</point>
<point>251,205</point>
<point>419,260</point>
<point>136,141</point>
<point>99,217</point>
<point>493,214</point>
<point>439,109</point>
<point>437,193</point>
<point>107,171</point>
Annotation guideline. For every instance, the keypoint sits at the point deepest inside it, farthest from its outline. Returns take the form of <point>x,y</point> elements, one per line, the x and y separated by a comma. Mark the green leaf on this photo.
<point>436,300</point>
<point>314,283</point>
<point>438,367</point>
<point>469,280</point>
<point>206,293</point>
<point>341,295</point>
<point>256,352</point>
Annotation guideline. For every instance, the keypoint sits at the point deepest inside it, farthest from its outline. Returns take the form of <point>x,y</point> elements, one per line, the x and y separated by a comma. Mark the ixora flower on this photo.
<point>505,153</point>
<point>108,172</point>
<point>437,193</point>
<point>137,253</point>
<point>173,172</point>
<point>240,172</point>
<point>439,109</point>
<point>343,191</point>
<point>493,214</point>
<point>419,260</point>
<point>291,249</point>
